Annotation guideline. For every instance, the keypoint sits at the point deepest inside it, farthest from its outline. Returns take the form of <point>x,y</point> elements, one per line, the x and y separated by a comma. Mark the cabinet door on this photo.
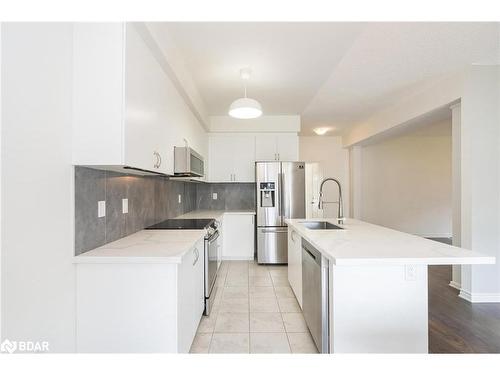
<point>199,285</point>
<point>238,237</point>
<point>265,147</point>
<point>146,97</point>
<point>287,147</point>
<point>98,93</point>
<point>243,158</point>
<point>221,159</point>
<point>295,264</point>
<point>190,297</point>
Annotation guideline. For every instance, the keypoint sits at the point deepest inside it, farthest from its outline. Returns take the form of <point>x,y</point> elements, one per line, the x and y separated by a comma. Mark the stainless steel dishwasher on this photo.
<point>315,301</point>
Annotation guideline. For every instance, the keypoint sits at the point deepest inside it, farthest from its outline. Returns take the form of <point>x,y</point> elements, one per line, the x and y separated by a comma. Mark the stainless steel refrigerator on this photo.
<point>280,195</point>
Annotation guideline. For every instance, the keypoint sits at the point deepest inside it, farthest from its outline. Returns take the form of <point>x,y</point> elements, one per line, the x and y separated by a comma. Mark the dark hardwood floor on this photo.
<point>457,326</point>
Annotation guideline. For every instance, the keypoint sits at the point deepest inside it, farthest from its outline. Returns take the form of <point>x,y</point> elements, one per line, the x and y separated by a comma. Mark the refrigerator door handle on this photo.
<point>280,201</point>
<point>282,198</point>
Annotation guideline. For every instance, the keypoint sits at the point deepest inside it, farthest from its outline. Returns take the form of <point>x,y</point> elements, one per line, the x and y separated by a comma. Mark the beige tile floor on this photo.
<point>255,311</point>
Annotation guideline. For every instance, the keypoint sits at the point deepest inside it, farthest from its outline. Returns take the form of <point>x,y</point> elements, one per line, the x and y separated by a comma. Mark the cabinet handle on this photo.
<point>197,256</point>
<point>279,156</point>
<point>234,177</point>
<point>159,160</point>
<point>293,239</point>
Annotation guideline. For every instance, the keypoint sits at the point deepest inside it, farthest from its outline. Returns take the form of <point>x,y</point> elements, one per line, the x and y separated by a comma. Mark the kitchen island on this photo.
<point>377,281</point>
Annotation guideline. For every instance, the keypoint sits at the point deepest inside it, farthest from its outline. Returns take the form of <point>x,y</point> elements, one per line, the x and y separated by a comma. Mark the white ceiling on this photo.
<point>332,74</point>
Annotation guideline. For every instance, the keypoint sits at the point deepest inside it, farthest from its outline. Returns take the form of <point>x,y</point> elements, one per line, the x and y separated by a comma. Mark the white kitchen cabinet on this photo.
<point>277,146</point>
<point>128,307</point>
<point>191,296</point>
<point>295,263</point>
<point>287,147</point>
<point>239,236</point>
<point>232,158</point>
<point>127,110</point>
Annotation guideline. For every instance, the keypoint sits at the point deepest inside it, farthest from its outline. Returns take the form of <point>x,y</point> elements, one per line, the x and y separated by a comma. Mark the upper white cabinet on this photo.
<point>127,110</point>
<point>275,146</point>
<point>148,96</point>
<point>231,158</point>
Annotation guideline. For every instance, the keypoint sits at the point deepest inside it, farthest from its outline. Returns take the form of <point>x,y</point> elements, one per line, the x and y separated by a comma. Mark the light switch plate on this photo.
<point>180,198</point>
<point>214,196</point>
<point>125,206</point>
<point>101,208</point>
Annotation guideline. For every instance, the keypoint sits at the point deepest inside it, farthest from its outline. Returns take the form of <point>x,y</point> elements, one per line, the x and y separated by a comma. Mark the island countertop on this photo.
<point>361,243</point>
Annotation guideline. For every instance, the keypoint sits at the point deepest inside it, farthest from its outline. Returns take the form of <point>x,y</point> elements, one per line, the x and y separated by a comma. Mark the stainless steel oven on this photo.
<point>212,254</point>
<point>212,262</point>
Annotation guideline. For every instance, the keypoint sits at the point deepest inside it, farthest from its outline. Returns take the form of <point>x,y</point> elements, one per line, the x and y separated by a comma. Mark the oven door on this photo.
<point>211,268</point>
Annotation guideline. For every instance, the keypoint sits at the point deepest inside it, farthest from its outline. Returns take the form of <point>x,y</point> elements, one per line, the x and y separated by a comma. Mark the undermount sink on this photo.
<point>321,225</point>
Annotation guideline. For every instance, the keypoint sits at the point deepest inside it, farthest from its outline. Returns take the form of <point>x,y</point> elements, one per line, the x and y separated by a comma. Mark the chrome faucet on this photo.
<point>340,214</point>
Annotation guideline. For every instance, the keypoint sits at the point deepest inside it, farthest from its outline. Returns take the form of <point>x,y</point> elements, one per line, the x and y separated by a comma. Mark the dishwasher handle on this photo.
<point>311,254</point>
<point>309,249</point>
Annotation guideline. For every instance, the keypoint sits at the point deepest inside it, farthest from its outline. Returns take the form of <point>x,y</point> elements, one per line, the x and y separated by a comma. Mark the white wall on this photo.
<point>333,161</point>
<point>406,181</point>
<point>426,97</point>
<point>38,299</point>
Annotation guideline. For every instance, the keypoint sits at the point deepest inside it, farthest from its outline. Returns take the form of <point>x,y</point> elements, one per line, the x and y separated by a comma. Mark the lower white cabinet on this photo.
<point>239,236</point>
<point>295,263</point>
<point>190,297</point>
<point>126,307</point>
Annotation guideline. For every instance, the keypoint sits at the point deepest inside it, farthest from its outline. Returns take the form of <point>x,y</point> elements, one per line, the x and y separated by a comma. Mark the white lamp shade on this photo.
<point>245,108</point>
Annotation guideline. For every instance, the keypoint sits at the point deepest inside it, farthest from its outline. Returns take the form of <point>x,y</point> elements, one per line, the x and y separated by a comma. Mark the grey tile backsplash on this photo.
<point>150,200</point>
<point>235,196</point>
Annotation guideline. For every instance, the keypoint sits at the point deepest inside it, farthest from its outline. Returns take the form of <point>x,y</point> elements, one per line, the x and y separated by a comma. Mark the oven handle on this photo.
<point>213,237</point>
<point>274,230</point>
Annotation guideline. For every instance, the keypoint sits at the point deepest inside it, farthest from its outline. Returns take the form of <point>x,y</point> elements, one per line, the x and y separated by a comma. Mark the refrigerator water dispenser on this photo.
<point>267,194</point>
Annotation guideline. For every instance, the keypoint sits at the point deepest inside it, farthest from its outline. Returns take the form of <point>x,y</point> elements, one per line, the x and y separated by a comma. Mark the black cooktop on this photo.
<point>183,224</point>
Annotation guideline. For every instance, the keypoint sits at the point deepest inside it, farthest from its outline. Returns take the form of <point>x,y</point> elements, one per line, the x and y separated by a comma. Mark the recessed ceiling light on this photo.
<point>245,108</point>
<point>321,131</point>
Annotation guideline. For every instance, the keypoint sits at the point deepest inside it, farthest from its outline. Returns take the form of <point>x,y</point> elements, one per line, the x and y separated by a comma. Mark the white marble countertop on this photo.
<point>361,243</point>
<point>154,246</point>
<point>145,246</point>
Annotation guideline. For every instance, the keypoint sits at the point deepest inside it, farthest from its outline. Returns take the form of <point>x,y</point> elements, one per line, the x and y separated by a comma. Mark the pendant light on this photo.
<point>245,108</point>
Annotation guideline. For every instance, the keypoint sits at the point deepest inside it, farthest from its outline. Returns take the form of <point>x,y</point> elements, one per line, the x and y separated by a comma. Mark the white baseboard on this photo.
<point>455,285</point>
<point>433,235</point>
<point>479,297</point>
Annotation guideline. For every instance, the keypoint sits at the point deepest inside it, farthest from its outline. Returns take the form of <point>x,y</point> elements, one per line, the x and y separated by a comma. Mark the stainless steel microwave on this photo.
<point>188,163</point>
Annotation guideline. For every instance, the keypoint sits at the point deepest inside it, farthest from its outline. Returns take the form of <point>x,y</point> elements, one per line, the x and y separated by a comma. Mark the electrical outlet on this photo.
<point>125,206</point>
<point>180,198</point>
<point>410,272</point>
<point>214,196</point>
<point>101,208</point>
